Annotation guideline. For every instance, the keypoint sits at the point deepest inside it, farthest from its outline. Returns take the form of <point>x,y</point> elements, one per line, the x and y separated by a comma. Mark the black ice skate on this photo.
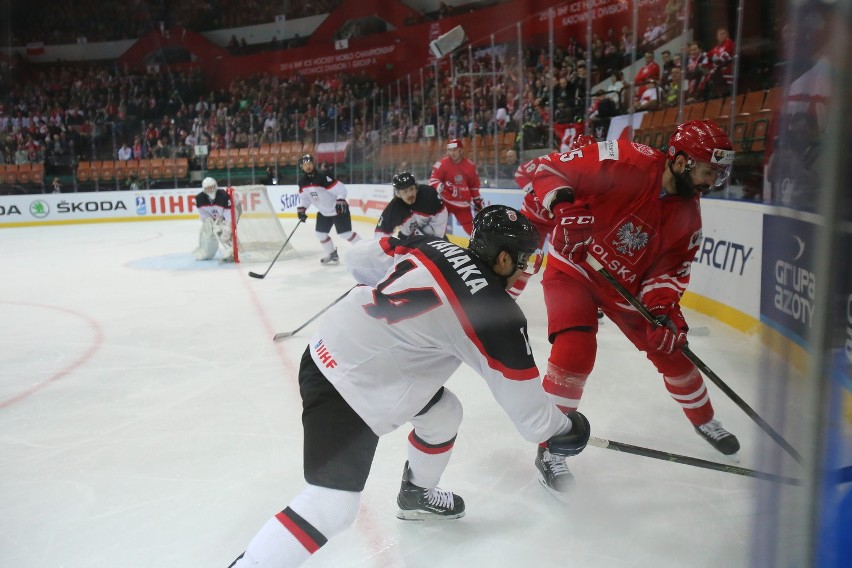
<point>419,504</point>
<point>332,258</point>
<point>718,437</point>
<point>553,472</point>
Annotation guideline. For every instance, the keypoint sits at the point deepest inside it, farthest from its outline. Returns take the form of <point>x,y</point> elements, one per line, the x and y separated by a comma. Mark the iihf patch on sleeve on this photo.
<point>608,150</point>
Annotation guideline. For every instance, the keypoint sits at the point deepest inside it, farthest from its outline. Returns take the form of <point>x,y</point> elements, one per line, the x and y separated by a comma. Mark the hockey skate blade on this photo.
<point>561,496</point>
<point>406,515</point>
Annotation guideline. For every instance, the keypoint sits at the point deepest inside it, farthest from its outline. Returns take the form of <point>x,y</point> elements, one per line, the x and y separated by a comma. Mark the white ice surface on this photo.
<point>148,420</point>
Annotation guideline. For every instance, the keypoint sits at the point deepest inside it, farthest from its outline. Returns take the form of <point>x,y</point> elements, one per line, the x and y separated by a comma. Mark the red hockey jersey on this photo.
<point>457,183</point>
<point>644,237</point>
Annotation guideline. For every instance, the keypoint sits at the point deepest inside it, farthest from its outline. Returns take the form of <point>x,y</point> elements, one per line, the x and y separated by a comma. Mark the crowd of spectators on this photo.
<point>79,112</point>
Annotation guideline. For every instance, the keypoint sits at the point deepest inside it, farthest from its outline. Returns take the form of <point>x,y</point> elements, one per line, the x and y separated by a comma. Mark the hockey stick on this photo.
<point>285,334</point>
<point>686,460</point>
<point>262,276</point>
<point>634,301</point>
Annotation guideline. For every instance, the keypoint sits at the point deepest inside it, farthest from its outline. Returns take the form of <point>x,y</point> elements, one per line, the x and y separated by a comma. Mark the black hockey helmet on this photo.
<point>403,180</point>
<point>306,158</point>
<point>497,228</point>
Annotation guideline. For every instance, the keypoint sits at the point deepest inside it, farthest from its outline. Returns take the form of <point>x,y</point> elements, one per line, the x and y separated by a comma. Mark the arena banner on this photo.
<point>788,284</point>
<point>403,49</point>
<point>729,261</point>
<point>366,201</point>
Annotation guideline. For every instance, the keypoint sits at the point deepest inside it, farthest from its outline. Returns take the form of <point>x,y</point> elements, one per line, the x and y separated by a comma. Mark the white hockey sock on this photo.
<point>350,236</point>
<point>326,242</point>
<point>430,444</point>
<point>427,461</point>
<point>290,537</point>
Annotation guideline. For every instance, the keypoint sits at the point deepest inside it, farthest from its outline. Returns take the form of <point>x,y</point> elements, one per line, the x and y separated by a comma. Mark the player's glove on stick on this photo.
<point>671,333</point>
<point>302,214</point>
<point>572,234</point>
<point>477,205</point>
<point>341,206</point>
<point>572,442</point>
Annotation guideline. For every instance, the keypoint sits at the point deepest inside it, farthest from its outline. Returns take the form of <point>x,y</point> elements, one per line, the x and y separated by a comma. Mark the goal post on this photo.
<point>258,235</point>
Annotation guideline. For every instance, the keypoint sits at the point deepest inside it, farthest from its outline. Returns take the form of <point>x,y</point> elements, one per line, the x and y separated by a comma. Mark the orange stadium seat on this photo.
<point>84,171</point>
<point>181,167</point>
<point>156,168</point>
<point>168,167</point>
<point>106,171</point>
<point>37,175</point>
<point>144,169</point>
<point>24,173</point>
<point>10,174</point>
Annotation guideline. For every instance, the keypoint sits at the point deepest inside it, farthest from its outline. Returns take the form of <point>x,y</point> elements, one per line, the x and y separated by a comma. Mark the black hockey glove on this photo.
<point>573,442</point>
<point>303,216</point>
<point>341,206</point>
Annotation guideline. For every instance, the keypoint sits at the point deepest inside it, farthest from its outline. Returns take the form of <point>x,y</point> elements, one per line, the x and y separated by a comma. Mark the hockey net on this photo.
<point>258,235</point>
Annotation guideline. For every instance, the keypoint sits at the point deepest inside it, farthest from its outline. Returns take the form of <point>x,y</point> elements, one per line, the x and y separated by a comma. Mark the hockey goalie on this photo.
<point>215,211</point>
<point>240,221</point>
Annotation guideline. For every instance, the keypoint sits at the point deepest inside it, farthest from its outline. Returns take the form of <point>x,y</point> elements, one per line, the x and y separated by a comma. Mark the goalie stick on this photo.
<point>286,334</point>
<point>634,301</point>
<point>686,460</point>
<point>262,276</point>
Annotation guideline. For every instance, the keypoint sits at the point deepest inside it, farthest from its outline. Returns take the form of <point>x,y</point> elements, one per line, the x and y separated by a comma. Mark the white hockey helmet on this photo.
<point>209,185</point>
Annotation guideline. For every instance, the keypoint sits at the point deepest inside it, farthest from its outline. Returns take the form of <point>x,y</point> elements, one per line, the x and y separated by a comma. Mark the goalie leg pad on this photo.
<point>207,242</point>
<point>571,360</point>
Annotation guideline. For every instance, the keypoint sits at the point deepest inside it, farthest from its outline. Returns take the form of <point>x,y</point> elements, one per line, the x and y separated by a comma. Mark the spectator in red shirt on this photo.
<point>647,76</point>
<point>721,58</point>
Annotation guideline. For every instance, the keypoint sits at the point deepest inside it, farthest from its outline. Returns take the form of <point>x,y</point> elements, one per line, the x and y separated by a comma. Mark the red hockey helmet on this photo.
<point>703,141</point>
<point>454,143</point>
<point>582,140</point>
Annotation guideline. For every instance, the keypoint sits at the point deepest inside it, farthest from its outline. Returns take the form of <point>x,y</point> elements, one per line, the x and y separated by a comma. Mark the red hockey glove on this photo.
<point>671,333</point>
<point>572,234</point>
<point>477,205</point>
<point>341,206</point>
<point>301,213</point>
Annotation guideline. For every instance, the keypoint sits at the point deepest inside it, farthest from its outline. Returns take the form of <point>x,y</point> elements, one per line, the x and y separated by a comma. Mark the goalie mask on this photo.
<point>500,228</point>
<point>209,186</point>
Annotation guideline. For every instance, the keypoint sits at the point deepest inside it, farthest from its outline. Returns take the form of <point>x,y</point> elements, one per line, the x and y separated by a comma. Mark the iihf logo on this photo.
<point>323,355</point>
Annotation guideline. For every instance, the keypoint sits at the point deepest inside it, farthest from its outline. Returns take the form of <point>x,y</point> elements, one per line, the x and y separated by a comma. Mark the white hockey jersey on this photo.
<point>424,307</point>
<point>321,191</point>
<point>217,208</point>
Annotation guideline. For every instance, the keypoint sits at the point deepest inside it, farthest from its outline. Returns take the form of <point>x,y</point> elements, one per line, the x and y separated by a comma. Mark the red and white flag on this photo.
<point>35,48</point>
<point>566,133</point>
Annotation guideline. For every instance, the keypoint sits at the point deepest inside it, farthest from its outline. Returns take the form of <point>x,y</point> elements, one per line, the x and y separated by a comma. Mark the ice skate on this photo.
<point>553,473</point>
<point>718,437</point>
<point>419,504</point>
<point>332,258</point>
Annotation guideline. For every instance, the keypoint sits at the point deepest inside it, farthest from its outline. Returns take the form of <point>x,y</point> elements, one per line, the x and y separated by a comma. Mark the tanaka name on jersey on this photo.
<point>463,264</point>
